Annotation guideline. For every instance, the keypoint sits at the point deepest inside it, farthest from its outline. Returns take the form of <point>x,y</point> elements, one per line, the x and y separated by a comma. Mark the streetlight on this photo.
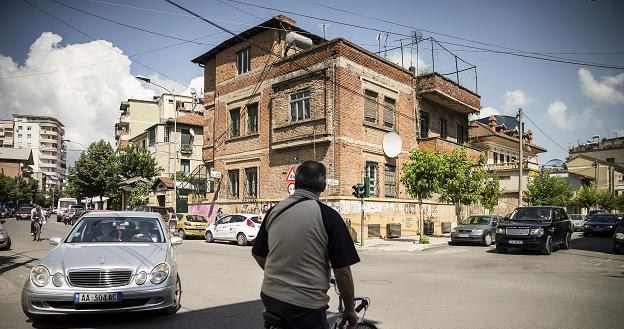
<point>175,144</point>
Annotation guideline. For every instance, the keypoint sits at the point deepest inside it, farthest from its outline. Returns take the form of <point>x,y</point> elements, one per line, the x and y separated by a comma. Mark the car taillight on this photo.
<point>250,223</point>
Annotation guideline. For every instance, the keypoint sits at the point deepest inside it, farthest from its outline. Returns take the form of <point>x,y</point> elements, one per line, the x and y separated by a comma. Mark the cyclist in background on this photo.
<point>36,215</point>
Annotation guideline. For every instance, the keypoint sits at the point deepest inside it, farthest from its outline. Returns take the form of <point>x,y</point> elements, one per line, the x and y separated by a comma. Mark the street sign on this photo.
<point>215,174</point>
<point>291,188</point>
<point>332,182</point>
<point>291,175</point>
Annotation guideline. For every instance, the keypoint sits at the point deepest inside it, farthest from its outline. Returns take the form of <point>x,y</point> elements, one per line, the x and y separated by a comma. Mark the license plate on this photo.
<point>514,241</point>
<point>463,235</point>
<point>109,297</point>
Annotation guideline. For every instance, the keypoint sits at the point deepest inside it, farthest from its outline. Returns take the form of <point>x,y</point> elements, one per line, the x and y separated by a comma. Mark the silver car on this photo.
<point>109,262</point>
<point>577,221</point>
<point>479,229</point>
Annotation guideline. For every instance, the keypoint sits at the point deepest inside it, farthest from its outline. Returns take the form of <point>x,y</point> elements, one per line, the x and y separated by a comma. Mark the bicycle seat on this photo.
<point>272,320</point>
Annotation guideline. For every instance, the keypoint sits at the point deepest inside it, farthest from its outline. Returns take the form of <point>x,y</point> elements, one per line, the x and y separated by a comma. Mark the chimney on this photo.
<point>492,123</point>
<point>286,20</point>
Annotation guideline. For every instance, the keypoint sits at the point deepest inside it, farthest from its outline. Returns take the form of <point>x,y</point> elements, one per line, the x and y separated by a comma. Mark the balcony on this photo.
<point>439,145</point>
<point>440,90</point>
<point>49,133</point>
<point>186,149</point>
<point>512,166</point>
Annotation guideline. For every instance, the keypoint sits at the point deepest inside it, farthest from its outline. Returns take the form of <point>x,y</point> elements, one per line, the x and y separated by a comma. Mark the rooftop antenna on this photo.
<point>379,42</point>
<point>324,27</point>
<point>402,54</point>
<point>386,46</point>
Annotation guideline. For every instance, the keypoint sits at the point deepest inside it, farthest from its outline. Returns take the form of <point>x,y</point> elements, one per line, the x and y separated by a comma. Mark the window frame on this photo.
<point>390,188</point>
<point>248,186</point>
<point>232,131</point>
<point>182,166</point>
<point>370,105</point>
<point>252,121</point>
<point>461,134</point>
<point>375,169</point>
<point>233,191</point>
<point>424,123</point>
<point>389,112</point>
<point>443,128</point>
<point>299,103</point>
<point>243,61</point>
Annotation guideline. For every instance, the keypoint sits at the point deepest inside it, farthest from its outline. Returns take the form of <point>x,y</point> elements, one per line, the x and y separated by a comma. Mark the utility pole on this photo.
<point>520,164</point>
<point>362,222</point>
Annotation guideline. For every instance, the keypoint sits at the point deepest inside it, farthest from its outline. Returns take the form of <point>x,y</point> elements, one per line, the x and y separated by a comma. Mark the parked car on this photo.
<point>6,212</point>
<point>242,228</point>
<point>618,238</point>
<point>109,262</point>
<point>535,228</point>
<point>5,239</point>
<point>23,213</point>
<point>600,224</point>
<point>190,225</point>
<point>578,221</point>
<point>479,229</point>
<point>596,211</point>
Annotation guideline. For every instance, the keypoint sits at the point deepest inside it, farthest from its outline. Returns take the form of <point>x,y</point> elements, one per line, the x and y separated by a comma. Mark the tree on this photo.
<point>607,200</point>
<point>490,193</point>
<point>422,176</point>
<point>139,195</point>
<point>96,172</point>
<point>546,190</point>
<point>586,197</point>
<point>137,162</point>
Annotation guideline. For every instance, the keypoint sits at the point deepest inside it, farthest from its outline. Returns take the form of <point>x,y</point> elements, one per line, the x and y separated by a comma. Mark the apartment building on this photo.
<point>601,160</point>
<point>44,135</point>
<point>330,101</point>
<point>6,133</point>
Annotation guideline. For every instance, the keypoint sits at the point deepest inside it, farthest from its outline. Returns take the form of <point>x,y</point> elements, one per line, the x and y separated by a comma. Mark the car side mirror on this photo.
<point>176,241</point>
<point>55,241</point>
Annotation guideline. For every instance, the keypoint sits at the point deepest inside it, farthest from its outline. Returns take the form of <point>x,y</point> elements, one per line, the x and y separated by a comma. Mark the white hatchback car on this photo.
<point>242,228</point>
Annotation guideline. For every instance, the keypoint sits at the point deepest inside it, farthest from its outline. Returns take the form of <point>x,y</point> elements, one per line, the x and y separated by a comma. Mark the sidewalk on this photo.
<point>407,243</point>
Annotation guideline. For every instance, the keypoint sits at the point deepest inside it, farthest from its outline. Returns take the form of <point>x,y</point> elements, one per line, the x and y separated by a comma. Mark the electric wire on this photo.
<point>543,132</point>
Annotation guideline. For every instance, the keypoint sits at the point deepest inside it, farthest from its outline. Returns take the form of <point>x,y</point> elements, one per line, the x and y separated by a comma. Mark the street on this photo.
<point>443,287</point>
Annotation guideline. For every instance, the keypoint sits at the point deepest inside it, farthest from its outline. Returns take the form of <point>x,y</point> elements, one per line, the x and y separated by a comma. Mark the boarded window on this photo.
<point>370,106</point>
<point>389,112</point>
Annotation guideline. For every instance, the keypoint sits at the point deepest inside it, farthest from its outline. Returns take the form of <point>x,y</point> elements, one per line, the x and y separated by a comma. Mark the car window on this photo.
<point>225,220</point>
<point>477,220</point>
<point>196,218</point>
<point>238,219</point>
<point>541,214</point>
<point>117,229</point>
<point>603,219</point>
<point>179,216</point>
<point>256,219</point>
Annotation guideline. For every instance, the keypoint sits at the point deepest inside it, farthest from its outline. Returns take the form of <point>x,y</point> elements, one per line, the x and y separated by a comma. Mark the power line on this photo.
<point>241,10</point>
<point>543,132</point>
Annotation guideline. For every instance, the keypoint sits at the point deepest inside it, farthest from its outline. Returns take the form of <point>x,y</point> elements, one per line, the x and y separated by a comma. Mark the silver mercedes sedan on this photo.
<point>109,262</point>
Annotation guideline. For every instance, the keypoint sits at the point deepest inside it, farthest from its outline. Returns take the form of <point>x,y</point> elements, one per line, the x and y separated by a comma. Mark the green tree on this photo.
<point>620,202</point>
<point>135,161</point>
<point>607,200</point>
<point>547,190</point>
<point>139,195</point>
<point>490,193</point>
<point>422,176</point>
<point>586,197</point>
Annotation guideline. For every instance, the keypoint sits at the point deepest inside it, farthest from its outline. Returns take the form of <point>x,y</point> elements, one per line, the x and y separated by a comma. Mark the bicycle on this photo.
<point>334,319</point>
<point>37,230</point>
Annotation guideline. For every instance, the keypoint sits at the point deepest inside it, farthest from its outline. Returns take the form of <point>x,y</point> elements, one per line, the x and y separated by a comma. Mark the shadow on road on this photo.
<point>8,263</point>
<point>602,244</point>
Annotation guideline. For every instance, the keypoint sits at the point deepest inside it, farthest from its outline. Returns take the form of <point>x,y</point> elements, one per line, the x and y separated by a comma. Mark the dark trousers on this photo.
<point>297,317</point>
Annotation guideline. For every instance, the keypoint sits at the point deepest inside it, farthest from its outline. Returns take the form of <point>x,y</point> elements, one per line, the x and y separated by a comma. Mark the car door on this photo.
<point>559,221</point>
<point>234,228</point>
<point>221,226</point>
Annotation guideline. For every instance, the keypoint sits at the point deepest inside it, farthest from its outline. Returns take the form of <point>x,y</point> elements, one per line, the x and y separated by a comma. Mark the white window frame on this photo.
<point>300,106</point>
<point>243,61</point>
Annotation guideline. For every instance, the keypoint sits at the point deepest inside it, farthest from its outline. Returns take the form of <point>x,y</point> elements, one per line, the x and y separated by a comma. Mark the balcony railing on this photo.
<point>439,145</point>
<point>505,166</point>
<point>441,90</point>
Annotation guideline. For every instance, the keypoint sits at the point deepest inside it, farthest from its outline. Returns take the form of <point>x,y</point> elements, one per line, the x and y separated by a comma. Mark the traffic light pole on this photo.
<point>362,222</point>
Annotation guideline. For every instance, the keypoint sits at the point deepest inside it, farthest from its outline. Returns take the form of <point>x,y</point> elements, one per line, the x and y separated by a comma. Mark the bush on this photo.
<point>424,240</point>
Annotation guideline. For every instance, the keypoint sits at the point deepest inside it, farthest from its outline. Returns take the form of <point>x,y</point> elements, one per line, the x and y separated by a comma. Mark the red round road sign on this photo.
<point>290,187</point>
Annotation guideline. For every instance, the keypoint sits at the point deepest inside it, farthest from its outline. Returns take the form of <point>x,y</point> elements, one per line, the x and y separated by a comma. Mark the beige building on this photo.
<point>16,162</point>
<point>602,160</point>
<point>6,133</point>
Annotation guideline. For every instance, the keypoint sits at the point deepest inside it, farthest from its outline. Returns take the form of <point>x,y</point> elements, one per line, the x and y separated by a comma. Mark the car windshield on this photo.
<point>25,209</point>
<point>531,214</point>
<point>256,219</point>
<point>576,217</point>
<point>116,229</point>
<point>477,220</point>
<point>603,219</point>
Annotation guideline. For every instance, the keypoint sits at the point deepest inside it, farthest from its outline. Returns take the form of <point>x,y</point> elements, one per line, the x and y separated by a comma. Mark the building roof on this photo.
<point>279,22</point>
<point>38,117</point>
<point>189,119</point>
<point>168,182</point>
<point>478,130</point>
<point>17,154</point>
<point>133,180</point>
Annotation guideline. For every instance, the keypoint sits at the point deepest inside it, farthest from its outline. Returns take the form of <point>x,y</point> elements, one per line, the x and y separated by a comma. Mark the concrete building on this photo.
<point>44,135</point>
<point>602,160</point>
<point>499,141</point>
<point>330,101</point>
<point>6,133</point>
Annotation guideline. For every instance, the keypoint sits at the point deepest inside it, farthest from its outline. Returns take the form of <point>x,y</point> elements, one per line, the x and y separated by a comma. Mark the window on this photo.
<point>19,127</point>
<point>19,135</point>
<point>185,139</point>
<point>233,186</point>
<point>151,136</point>
<point>235,122</point>
<point>251,184</point>
<point>185,165</point>
<point>495,157</point>
<point>371,172</point>
<point>443,128</point>
<point>28,136</point>
<point>389,112</point>
<point>460,135</point>
<point>243,61</point>
<point>252,118</point>
<point>424,125</point>
<point>508,158</point>
<point>28,128</point>
<point>502,158</point>
<point>300,106</point>
<point>370,106</point>
<point>167,134</point>
<point>611,160</point>
<point>390,181</point>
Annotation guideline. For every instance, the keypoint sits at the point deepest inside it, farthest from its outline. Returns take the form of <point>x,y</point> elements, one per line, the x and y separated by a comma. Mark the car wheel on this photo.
<point>241,239</point>
<point>181,234</point>
<point>32,317</point>
<point>547,248</point>
<point>501,250</point>
<point>8,245</point>
<point>487,240</point>
<point>173,309</point>
<point>209,237</point>
<point>567,241</point>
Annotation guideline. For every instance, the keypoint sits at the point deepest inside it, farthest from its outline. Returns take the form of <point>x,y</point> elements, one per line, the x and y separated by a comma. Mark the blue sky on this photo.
<point>55,75</point>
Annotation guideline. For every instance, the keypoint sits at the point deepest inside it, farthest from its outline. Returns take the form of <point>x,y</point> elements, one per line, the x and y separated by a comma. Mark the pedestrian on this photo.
<point>295,284</point>
<point>219,215</point>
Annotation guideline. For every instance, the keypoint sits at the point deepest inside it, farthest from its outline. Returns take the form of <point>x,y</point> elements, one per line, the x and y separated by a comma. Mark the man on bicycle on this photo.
<point>36,215</point>
<point>299,239</point>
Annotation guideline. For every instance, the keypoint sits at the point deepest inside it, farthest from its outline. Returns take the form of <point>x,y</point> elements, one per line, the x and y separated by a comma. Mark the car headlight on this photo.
<point>537,231</point>
<point>619,236</point>
<point>40,275</point>
<point>500,230</point>
<point>585,226</point>
<point>141,278</point>
<point>57,279</point>
<point>610,226</point>
<point>477,232</point>
<point>3,234</point>
<point>159,273</point>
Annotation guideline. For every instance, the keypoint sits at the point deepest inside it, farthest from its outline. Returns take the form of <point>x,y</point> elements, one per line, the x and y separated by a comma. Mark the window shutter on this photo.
<point>389,112</point>
<point>370,106</point>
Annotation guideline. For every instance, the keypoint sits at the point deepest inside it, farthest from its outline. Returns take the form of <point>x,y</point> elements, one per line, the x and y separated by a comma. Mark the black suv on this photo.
<point>534,228</point>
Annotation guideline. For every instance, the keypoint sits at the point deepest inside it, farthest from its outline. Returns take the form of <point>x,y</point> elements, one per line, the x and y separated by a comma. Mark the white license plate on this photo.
<point>514,241</point>
<point>109,297</point>
<point>463,235</point>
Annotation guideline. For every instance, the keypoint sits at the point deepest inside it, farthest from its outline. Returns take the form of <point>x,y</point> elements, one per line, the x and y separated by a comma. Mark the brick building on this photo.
<point>330,101</point>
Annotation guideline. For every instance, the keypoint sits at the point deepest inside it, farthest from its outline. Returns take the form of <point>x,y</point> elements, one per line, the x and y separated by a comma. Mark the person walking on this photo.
<point>299,240</point>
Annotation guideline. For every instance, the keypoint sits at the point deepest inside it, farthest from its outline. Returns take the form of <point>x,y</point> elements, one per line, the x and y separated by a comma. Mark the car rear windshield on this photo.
<point>117,230</point>
<point>477,220</point>
<point>531,214</point>
<point>603,219</point>
<point>256,219</point>
<point>196,218</point>
<point>576,217</point>
<point>25,209</point>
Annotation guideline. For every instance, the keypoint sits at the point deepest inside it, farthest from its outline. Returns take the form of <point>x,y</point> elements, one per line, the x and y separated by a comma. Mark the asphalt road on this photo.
<point>443,287</point>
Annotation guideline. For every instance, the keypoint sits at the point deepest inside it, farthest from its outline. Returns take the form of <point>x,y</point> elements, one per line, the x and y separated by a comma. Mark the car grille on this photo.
<point>99,278</point>
<point>464,231</point>
<point>517,231</point>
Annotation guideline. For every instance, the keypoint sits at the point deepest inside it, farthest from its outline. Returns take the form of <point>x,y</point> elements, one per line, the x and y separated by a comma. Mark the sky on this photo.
<point>78,67</point>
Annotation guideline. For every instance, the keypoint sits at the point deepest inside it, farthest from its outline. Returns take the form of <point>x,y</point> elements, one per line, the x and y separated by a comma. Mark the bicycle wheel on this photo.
<point>366,325</point>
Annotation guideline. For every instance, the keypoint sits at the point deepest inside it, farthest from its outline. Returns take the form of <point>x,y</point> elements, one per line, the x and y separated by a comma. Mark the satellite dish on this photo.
<point>392,144</point>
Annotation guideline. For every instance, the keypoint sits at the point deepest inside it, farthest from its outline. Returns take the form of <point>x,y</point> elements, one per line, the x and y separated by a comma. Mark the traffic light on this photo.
<point>358,190</point>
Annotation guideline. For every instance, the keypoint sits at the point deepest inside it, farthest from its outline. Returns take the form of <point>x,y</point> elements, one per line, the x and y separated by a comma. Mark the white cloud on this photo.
<point>487,111</point>
<point>513,100</point>
<point>395,57</point>
<point>558,113</point>
<point>86,100</point>
<point>604,91</point>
